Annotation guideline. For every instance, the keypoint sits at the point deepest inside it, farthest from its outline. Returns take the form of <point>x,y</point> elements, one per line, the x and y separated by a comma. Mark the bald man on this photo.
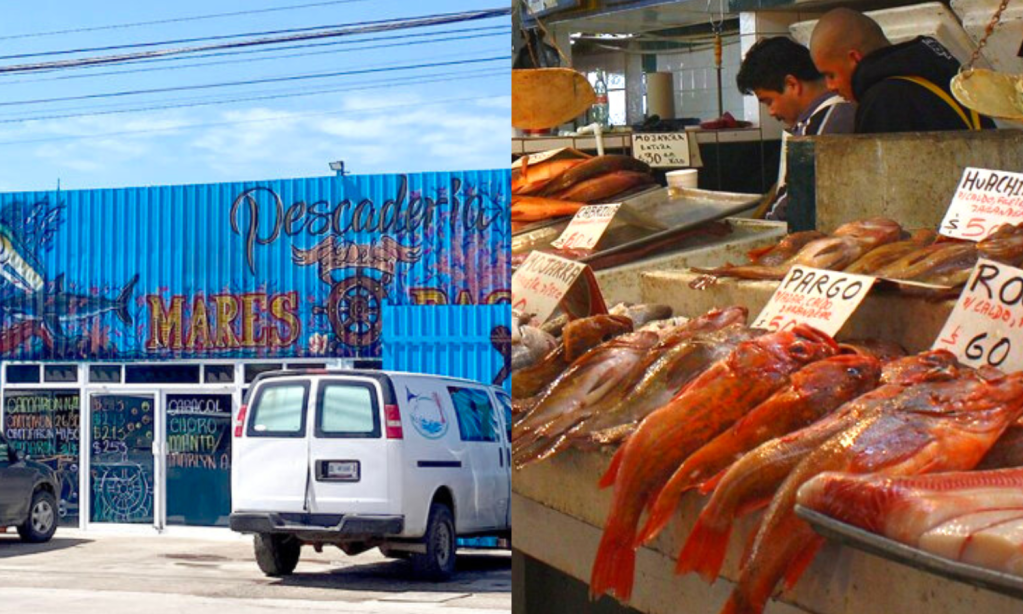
<point>898,88</point>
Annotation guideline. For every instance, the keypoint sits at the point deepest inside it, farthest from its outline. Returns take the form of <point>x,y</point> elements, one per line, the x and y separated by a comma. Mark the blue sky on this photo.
<point>439,118</point>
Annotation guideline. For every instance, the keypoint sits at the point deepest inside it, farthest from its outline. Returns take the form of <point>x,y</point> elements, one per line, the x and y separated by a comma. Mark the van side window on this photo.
<point>506,403</point>
<point>279,411</point>
<point>347,410</point>
<point>475,414</point>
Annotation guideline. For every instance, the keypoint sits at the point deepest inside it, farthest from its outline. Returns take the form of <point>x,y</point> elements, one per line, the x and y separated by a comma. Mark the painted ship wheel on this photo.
<point>355,310</point>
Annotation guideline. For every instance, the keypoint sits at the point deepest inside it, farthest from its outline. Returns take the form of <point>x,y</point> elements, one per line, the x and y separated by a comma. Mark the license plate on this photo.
<point>347,471</point>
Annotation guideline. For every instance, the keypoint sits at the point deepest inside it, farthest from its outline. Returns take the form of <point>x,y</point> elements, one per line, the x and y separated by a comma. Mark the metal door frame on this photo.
<point>231,390</point>
<point>85,468</point>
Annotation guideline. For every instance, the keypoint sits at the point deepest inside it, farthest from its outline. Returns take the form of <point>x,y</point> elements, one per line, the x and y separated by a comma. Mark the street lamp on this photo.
<point>338,167</point>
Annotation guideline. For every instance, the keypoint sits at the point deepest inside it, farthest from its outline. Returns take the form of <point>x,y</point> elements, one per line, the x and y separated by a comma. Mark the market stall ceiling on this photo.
<point>647,18</point>
<point>905,23</point>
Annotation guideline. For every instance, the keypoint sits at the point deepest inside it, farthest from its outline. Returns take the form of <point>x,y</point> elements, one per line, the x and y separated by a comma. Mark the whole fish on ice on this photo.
<point>814,391</point>
<point>704,408</point>
<point>930,427</point>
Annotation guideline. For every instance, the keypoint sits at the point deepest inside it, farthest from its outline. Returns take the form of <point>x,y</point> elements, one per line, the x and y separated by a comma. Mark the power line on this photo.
<point>179,88</point>
<point>305,34</point>
<point>382,84</point>
<point>260,59</point>
<point>274,49</point>
<point>121,26</point>
<point>251,121</point>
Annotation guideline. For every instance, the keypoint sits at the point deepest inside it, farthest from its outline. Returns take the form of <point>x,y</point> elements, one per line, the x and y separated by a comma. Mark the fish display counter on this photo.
<point>660,452</point>
<point>653,229</point>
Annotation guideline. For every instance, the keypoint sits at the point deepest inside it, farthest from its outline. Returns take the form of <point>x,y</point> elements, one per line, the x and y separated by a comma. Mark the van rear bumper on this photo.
<point>318,525</point>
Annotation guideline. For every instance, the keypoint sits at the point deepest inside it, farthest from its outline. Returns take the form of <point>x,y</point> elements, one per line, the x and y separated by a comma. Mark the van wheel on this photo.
<point>438,563</point>
<point>277,555</point>
<point>42,518</point>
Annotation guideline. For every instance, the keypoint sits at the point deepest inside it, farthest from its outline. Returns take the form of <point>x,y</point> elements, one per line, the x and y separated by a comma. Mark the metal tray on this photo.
<point>682,216</point>
<point>889,549</point>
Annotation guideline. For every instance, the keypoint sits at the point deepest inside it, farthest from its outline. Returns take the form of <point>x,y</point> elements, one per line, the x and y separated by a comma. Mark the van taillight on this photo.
<point>239,426</point>
<point>392,422</point>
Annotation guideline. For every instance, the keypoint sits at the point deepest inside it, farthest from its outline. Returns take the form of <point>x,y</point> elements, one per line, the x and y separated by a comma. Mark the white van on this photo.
<point>362,459</point>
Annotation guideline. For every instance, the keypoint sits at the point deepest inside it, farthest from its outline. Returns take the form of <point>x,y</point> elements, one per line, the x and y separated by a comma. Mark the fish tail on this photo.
<point>738,604</point>
<point>612,470</point>
<point>802,561</point>
<point>704,551</point>
<point>615,565</point>
<point>663,508</point>
<point>124,298</point>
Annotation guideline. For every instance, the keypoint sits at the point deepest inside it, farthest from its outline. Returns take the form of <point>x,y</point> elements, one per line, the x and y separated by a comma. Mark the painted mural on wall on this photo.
<point>285,268</point>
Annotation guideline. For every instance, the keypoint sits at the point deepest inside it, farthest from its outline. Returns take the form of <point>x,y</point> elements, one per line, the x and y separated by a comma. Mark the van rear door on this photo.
<point>479,428</point>
<point>351,449</point>
<point>269,459</point>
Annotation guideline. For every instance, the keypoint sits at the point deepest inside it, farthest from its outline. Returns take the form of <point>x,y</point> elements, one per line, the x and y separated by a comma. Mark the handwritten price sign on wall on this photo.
<point>819,298</point>
<point>587,227</point>
<point>662,150</point>
<point>986,326</point>
<point>984,200</point>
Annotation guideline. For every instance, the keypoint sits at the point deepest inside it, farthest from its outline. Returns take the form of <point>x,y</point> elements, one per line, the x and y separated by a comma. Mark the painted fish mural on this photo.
<point>288,268</point>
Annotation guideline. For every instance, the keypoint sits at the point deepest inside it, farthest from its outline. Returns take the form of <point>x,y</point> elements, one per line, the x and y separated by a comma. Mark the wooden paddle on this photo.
<point>548,97</point>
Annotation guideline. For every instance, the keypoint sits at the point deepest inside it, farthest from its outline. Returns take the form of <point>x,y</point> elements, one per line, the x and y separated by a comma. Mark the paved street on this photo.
<point>79,573</point>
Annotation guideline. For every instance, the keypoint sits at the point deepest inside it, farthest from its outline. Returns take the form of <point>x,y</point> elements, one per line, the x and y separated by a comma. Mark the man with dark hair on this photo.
<point>898,88</point>
<point>780,73</point>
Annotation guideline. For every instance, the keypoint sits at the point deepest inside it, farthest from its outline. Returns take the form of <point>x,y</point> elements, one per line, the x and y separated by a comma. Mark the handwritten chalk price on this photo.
<point>986,326</point>
<point>587,227</point>
<point>984,200</point>
<point>819,298</point>
<point>662,150</point>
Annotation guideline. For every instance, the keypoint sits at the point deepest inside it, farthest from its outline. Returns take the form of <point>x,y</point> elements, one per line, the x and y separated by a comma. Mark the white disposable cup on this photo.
<point>685,178</point>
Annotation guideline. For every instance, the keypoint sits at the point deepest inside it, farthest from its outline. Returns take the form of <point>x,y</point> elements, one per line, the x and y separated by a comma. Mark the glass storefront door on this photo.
<point>198,459</point>
<point>122,429</point>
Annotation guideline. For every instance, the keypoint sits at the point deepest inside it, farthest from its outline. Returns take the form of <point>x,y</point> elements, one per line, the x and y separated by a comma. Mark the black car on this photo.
<point>27,495</point>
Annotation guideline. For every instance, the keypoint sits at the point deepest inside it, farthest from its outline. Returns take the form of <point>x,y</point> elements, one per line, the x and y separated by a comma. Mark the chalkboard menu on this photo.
<point>44,425</point>
<point>198,459</point>
<point>121,458</point>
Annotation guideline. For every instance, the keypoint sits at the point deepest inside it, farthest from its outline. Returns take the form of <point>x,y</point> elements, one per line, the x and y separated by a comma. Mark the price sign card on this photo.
<point>986,326</point>
<point>544,281</point>
<point>662,150</point>
<point>984,200</point>
<point>819,298</point>
<point>587,227</point>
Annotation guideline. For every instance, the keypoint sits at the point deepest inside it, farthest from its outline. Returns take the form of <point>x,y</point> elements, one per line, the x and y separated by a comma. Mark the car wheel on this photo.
<point>42,518</point>
<point>277,555</point>
<point>438,563</point>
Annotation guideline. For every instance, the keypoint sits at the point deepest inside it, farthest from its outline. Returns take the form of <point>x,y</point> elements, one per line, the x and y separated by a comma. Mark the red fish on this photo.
<point>750,482</point>
<point>930,427</point>
<point>704,408</point>
<point>1007,451</point>
<point>618,385</point>
<point>814,391</point>
<point>565,403</point>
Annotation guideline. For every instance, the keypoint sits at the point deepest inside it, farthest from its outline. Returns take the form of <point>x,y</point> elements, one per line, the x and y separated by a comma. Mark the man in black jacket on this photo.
<point>899,88</point>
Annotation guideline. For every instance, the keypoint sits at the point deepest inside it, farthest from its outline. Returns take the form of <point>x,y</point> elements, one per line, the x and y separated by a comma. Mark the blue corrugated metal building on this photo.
<point>125,314</point>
